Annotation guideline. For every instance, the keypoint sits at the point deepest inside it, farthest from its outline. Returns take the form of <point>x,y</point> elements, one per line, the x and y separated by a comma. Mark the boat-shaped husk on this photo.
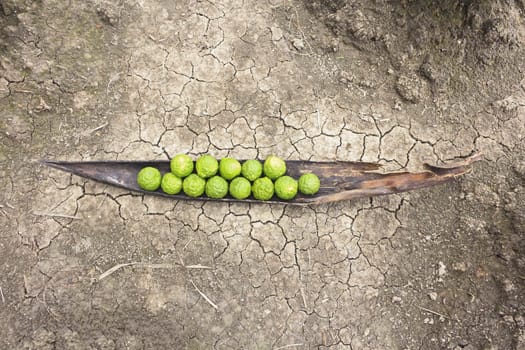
<point>339,180</point>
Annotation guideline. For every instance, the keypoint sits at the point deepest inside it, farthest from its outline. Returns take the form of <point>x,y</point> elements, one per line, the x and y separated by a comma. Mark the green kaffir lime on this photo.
<point>252,169</point>
<point>229,168</point>
<point>149,178</point>
<point>193,185</point>
<point>286,187</point>
<point>262,189</point>
<point>206,166</point>
<point>171,184</point>
<point>216,187</point>
<point>274,167</point>
<point>181,165</point>
<point>240,188</point>
<point>309,184</point>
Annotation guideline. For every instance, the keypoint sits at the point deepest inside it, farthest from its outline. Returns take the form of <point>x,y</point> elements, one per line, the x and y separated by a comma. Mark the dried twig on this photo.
<point>113,79</point>
<point>204,296</point>
<point>138,264</point>
<point>304,297</point>
<point>23,91</point>
<point>2,295</point>
<point>198,266</point>
<point>103,199</point>
<point>98,128</point>
<point>57,215</point>
<point>187,244</point>
<point>433,312</point>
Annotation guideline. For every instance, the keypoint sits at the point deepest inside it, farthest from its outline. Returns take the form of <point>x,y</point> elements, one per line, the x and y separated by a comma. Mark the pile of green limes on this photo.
<point>218,178</point>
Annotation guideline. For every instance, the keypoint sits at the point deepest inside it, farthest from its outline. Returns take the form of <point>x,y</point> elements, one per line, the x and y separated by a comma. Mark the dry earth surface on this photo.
<point>392,82</point>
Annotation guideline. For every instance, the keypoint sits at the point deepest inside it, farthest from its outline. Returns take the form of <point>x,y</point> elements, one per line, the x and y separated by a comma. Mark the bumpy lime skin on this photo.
<point>193,185</point>
<point>149,178</point>
<point>206,166</point>
<point>274,167</point>
<point>181,165</point>
<point>171,184</point>
<point>229,168</point>
<point>240,188</point>
<point>216,187</point>
<point>262,189</point>
<point>252,169</point>
<point>309,184</point>
<point>286,187</point>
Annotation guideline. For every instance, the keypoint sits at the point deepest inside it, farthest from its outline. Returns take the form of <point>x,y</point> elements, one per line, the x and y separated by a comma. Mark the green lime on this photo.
<point>193,185</point>
<point>181,165</point>
<point>309,184</point>
<point>149,178</point>
<point>262,189</point>
<point>240,188</point>
<point>274,167</point>
<point>229,168</point>
<point>206,166</point>
<point>171,184</point>
<point>216,187</point>
<point>286,187</point>
<point>252,169</point>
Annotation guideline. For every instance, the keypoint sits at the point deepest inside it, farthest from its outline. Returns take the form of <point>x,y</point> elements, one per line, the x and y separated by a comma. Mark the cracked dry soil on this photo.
<point>395,83</point>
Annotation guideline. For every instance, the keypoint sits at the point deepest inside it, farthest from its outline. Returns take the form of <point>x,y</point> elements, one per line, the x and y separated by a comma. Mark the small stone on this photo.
<point>442,269</point>
<point>428,320</point>
<point>520,168</point>
<point>4,88</point>
<point>459,266</point>
<point>409,88</point>
<point>433,295</point>
<point>396,299</point>
<point>508,286</point>
<point>428,71</point>
<point>463,343</point>
<point>397,106</point>
<point>298,44</point>
<point>334,45</point>
<point>108,15</point>
<point>390,71</point>
<point>277,33</point>
<point>345,77</point>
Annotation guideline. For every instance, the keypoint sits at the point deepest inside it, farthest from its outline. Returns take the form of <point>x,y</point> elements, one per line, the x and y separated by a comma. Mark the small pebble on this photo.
<point>433,295</point>
<point>442,269</point>
<point>508,286</point>
<point>396,299</point>
<point>277,33</point>
<point>459,266</point>
<point>298,44</point>
<point>428,320</point>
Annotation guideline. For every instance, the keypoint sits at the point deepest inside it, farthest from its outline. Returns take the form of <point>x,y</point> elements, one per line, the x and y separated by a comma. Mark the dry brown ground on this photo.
<point>441,268</point>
